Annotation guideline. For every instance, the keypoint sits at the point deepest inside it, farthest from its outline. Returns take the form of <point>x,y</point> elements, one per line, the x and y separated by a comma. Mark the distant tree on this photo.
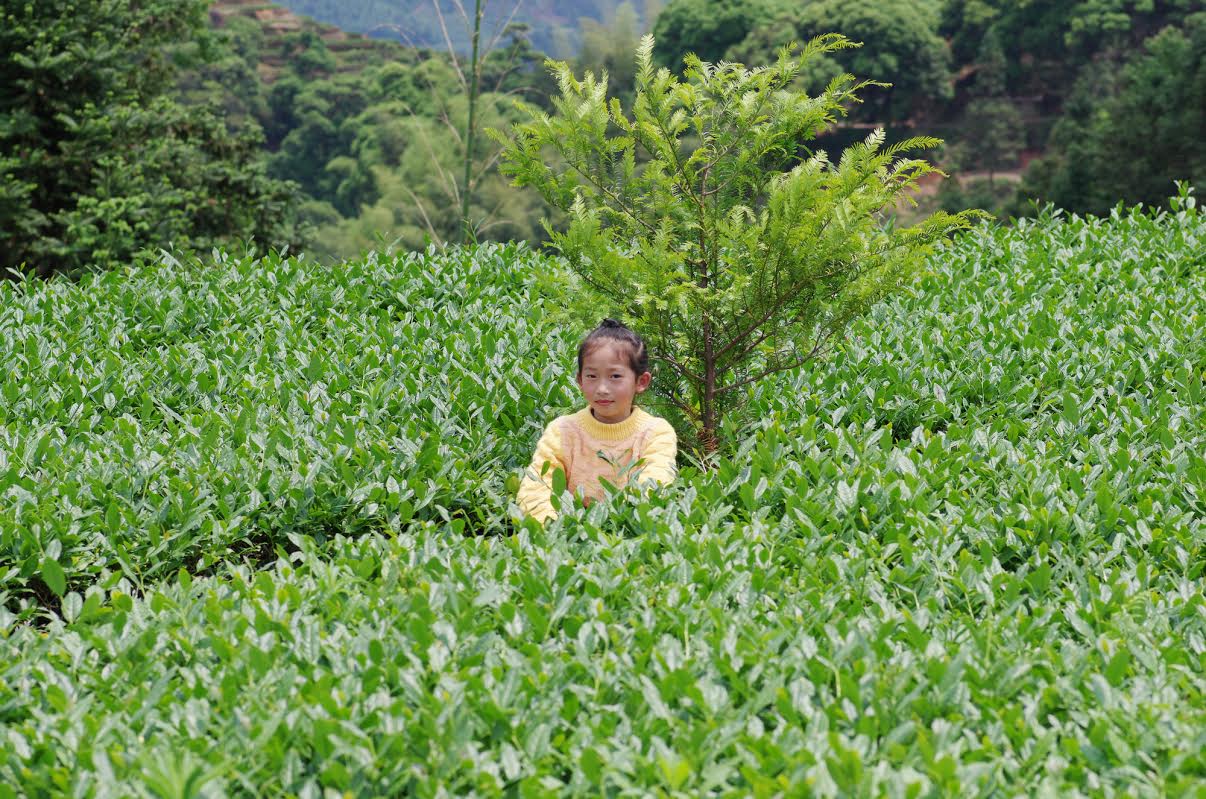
<point>220,72</point>
<point>466,132</point>
<point>422,88</point>
<point>373,147</point>
<point>991,136</point>
<point>1128,138</point>
<point>418,200</point>
<point>707,28</point>
<point>97,162</point>
<point>737,256</point>
<point>1048,38</point>
<point>469,140</point>
<point>991,130</point>
<point>320,116</point>
<point>307,55</point>
<point>900,41</point>
<point>608,47</point>
<point>516,68</point>
<point>991,67</point>
<point>472,34</point>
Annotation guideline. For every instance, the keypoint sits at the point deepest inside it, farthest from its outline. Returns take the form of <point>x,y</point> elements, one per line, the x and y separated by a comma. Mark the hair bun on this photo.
<point>610,323</point>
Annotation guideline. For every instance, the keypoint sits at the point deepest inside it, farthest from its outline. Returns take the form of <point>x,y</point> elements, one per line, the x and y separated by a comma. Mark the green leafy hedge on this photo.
<point>183,414</point>
<point>962,557</point>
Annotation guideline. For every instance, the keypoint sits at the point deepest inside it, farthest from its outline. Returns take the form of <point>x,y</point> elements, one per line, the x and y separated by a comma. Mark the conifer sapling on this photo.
<point>704,220</point>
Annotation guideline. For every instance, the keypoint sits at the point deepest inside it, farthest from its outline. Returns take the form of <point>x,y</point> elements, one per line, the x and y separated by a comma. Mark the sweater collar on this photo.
<point>611,432</point>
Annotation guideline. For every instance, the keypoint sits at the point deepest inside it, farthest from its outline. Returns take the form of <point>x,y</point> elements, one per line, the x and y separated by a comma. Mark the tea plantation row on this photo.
<point>182,415</point>
<point>962,557</point>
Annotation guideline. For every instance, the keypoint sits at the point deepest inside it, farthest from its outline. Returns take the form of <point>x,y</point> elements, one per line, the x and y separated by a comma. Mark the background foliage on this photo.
<point>1036,101</point>
<point>901,46</point>
<point>994,79</point>
<point>98,161</point>
<point>1145,134</point>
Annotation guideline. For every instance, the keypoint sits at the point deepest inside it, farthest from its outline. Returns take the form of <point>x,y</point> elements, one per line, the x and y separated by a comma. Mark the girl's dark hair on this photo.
<point>611,330</point>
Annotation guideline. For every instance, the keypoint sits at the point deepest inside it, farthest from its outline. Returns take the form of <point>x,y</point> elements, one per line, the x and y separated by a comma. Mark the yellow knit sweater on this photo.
<point>587,449</point>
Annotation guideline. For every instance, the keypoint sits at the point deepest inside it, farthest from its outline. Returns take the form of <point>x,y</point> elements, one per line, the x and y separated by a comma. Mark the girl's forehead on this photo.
<point>603,356</point>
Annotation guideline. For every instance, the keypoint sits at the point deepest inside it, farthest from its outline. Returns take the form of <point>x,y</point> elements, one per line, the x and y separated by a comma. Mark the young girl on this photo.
<point>610,438</point>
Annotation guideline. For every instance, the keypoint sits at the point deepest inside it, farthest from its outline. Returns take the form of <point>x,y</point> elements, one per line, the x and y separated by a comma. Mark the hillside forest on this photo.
<point>246,121</point>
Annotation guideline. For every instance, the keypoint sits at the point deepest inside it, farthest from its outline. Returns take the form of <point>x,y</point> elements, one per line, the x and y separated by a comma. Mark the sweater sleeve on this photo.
<point>536,489</point>
<point>660,455</point>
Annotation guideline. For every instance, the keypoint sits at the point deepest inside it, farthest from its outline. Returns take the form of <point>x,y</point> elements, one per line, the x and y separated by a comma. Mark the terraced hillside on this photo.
<point>352,51</point>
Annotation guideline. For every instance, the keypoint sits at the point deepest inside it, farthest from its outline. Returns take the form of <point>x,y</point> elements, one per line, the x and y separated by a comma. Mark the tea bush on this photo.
<point>961,557</point>
<point>182,414</point>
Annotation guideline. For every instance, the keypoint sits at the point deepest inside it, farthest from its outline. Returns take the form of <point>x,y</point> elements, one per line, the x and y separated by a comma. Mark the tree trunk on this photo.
<point>710,438</point>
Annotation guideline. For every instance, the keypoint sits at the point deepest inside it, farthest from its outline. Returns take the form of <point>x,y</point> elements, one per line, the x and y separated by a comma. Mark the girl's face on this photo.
<point>609,384</point>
